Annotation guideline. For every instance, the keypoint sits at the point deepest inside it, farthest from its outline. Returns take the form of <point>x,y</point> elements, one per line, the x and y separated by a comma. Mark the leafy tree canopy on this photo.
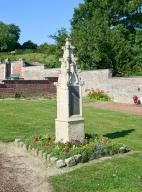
<point>59,38</point>
<point>9,35</point>
<point>29,45</point>
<point>107,34</point>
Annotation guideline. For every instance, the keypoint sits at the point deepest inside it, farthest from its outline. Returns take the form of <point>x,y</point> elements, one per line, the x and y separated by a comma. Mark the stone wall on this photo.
<point>33,73</point>
<point>2,72</point>
<point>120,89</point>
<point>16,68</point>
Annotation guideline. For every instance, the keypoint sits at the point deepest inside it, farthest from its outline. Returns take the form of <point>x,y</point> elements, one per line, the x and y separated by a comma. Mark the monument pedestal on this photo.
<point>71,129</point>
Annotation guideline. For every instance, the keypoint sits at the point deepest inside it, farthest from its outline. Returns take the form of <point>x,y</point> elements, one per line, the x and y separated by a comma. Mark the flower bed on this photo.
<point>73,152</point>
<point>97,95</point>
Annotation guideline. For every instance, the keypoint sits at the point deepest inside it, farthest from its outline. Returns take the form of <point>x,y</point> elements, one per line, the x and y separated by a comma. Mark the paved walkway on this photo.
<point>127,108</point>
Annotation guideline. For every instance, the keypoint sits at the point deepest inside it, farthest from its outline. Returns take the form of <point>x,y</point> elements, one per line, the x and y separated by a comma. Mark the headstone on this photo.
<point>69,123</point>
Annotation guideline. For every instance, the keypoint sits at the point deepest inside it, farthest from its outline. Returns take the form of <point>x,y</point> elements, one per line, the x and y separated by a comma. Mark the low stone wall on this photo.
<point>2,72</point>
<point>33,73</point>
<point>120,89</point>
<point>28,88</point>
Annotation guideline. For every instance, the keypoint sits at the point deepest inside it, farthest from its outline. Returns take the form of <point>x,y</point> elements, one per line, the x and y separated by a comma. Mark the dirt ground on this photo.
<point>21,172</point>
<point>127,108</point>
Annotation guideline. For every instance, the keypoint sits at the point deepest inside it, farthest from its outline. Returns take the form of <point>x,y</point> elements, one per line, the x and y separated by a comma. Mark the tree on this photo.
<point>9,35</point>
<point>47,48</point>
<point>29,45</point>
<point>15,30</point>
<point>52,61</point>
<point>59,38</point>
<point>104,32</point>
<point>18,46</point>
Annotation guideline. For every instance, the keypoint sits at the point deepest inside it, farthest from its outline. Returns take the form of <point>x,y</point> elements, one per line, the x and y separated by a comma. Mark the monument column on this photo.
<point>69,123</point>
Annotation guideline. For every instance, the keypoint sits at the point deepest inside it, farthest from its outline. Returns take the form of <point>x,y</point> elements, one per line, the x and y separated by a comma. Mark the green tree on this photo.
<point>104,33</point>
<point>9,35</point>
<point>47,48</point>
<point>29,45</point>
<point>52,61</point>
<point>15,30</point>
<point>59,38</point>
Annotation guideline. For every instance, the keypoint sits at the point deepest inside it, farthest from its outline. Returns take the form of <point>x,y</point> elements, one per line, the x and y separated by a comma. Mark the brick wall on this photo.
<point>16,68</point>
<point>28,88</point>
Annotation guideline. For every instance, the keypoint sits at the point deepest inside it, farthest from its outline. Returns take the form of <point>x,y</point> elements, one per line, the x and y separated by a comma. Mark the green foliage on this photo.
<point>104,34</point>
<point>52,61</point>
<point>9,35</point>
<point>91,148</point>
<point>98,95</point>
<point>29,45</point>
<point>18,95</point>
<point>48,49</point>
<point>15,30</point>
<point>49,60</point>
<point>59,38</point>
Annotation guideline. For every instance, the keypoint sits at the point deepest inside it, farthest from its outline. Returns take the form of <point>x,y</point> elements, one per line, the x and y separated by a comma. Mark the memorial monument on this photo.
<point>69,124</point>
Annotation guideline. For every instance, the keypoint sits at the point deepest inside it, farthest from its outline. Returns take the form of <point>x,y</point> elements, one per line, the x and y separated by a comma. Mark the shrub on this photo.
<point>98,95</point>
<point>18,95</point>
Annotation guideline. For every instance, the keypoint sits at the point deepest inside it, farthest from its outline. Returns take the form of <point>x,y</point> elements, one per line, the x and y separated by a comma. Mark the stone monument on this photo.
<point>69,123</point>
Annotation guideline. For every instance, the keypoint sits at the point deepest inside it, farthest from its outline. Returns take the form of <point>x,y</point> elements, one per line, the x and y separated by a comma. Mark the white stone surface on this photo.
<point>70,130</point>
<point>60,163</point>
<point>78,158</point>
<point>70,161</point>
<point>68,126</point>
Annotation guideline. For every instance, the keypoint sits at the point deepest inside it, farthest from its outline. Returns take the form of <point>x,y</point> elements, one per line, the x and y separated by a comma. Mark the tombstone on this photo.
<point>69,124</point>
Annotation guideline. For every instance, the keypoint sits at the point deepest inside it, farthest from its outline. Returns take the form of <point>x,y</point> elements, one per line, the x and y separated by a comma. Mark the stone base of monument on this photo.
<point>71,129</point>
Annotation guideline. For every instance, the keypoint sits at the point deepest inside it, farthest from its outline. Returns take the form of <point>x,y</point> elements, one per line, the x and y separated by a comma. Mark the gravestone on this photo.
<point>69,124</point>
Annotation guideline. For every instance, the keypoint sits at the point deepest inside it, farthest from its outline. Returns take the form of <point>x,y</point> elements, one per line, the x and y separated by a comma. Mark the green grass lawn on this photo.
<point>22,118</point>
<point>116,175</point>
<point>28,117</point>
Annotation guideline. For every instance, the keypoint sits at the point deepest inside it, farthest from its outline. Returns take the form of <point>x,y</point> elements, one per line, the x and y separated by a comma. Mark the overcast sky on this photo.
<point>38,19</point>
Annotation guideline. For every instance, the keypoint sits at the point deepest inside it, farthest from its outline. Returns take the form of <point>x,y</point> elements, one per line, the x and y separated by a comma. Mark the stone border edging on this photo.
<point>59,163</point>
<point>54,161</point>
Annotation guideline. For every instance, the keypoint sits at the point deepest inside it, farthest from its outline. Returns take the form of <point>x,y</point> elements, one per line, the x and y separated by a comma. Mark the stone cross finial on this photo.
<point>68,65</point>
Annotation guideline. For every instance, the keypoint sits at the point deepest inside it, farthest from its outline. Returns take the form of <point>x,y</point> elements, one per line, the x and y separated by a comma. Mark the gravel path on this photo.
<point>21,172</point>
<point>128,108</point>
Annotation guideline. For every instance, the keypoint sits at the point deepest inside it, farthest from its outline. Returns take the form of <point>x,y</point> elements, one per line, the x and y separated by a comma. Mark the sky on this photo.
<point>38,19</point>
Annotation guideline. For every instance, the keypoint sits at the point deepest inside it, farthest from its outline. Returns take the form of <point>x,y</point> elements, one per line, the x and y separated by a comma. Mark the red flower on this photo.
<point>103,141</point>
<point>66,149</point>
<point>36,138</point>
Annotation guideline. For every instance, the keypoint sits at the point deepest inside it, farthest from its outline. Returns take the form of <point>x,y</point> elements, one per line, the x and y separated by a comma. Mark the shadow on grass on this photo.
<point>118,134</point>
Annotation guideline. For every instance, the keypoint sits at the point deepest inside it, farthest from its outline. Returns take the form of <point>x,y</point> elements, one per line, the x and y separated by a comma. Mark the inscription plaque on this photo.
<point>74,100</point>
<point>8,70</point>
